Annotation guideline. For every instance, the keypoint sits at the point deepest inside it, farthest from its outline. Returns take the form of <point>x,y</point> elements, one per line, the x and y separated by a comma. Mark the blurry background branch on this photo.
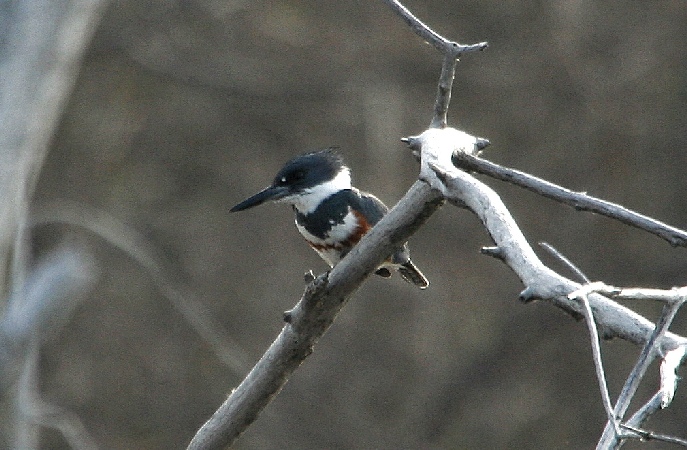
<point>123,238</point>
<point>41,46</point>
<point>41,50</point>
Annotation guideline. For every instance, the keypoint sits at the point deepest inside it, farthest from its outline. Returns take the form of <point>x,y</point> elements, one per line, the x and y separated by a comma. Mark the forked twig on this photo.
<point>451,51</point>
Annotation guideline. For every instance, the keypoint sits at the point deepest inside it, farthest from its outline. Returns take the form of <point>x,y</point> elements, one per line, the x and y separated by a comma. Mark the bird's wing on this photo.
<point>370,206</point>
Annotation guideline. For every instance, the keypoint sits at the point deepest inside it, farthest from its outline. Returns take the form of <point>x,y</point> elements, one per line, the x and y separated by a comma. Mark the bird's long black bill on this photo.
<point>270,193</point>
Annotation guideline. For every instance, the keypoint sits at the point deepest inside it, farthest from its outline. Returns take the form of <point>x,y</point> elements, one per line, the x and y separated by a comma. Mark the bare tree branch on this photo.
<point>578,200</point>
<point>540,281</point>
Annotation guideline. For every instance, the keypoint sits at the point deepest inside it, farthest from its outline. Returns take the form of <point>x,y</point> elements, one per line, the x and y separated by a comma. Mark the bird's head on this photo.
<point>304,181</point>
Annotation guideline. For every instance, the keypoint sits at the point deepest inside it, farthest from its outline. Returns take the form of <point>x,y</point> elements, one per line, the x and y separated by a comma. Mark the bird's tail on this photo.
<point>412,274</point>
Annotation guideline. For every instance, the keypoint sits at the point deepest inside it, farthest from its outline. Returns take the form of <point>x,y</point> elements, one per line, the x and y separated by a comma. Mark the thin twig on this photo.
<point>569,264</point>
<point>578,200</point>
<point>652,436</point>
<point>582,296</point>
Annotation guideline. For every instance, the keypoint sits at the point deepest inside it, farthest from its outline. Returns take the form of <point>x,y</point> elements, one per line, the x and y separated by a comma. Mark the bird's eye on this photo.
<point>291,178</point>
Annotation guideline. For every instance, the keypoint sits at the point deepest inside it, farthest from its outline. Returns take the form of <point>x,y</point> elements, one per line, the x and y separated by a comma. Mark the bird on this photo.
<point>331,214</point>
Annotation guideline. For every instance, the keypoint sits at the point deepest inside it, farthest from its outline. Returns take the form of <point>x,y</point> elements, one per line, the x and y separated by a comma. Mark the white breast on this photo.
<point>330,247</point>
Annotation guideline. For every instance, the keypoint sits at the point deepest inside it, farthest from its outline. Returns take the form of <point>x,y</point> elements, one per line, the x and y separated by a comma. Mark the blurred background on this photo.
<point>185,107</point>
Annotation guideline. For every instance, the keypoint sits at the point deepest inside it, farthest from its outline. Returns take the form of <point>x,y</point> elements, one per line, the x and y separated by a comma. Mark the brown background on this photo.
<point>184,108</point>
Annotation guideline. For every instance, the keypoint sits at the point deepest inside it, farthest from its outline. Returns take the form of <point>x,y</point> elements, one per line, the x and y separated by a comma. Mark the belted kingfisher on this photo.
<point>331,215</point>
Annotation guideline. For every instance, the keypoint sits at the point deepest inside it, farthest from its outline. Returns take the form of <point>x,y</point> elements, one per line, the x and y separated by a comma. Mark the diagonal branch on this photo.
<point>578,200</point>
<point>325,297</point>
